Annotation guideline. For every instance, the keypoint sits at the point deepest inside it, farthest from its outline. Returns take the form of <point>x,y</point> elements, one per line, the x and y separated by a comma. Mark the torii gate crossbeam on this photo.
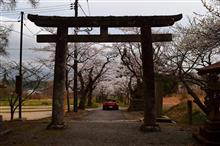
<point>146,38</point>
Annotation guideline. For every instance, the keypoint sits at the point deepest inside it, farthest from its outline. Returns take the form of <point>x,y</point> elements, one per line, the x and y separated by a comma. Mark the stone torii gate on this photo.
<point>146,38</point>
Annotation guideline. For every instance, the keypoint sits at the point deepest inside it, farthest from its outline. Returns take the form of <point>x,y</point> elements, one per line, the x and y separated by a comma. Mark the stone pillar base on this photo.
<point>150,128</point>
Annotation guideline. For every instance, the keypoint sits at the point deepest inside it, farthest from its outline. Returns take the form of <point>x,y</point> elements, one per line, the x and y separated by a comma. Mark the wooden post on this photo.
<point>148,80</point>
<point>59,79</point>
<point>189,111</point>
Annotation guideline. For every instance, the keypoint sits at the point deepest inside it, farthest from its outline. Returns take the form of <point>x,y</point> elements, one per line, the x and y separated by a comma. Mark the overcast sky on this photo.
<point>90,8</point>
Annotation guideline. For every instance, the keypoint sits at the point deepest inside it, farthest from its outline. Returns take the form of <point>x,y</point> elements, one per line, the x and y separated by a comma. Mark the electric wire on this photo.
<point>29,29</point>
<point>17,49</point>
<point>45,11</point>
<point>88,7</point>
<point>36,10</point>
<point>39,8</point>
<point>82,10</point>
<point>40,11</point>
<point>48,7</point>
<point>10,29</point>
<point>8,21</point>
<point>54,8</point>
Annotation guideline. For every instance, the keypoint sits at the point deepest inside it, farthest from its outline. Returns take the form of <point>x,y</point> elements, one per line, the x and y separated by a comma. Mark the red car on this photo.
<point>110,104</point>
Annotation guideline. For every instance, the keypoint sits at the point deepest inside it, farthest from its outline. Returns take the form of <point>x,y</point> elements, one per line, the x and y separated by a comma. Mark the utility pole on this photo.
<point>19,79</point>
<point>75,101</point>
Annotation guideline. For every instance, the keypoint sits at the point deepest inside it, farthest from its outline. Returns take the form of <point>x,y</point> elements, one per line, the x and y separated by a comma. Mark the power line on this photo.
<point>9,21</point>
<point>53,10</point>
<point>28,29</point>
<point>37,11</point>
<point>45,11</point>
<point>82,10</point>
<point>88,8</point>
<point>23,9</point>
<point>17,49</point>
<point>32,37</point>
<point>17,13</point>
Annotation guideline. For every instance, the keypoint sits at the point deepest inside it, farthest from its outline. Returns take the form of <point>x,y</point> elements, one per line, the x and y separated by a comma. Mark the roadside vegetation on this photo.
<point>177,111</point>
<point>31,102</point>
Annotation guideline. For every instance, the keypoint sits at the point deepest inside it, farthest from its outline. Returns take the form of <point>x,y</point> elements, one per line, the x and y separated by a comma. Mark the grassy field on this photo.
<point>44,102</point>
<point>31,102</point>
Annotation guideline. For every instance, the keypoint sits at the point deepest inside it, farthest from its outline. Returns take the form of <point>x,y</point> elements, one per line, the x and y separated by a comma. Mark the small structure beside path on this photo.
<point>210,131</point>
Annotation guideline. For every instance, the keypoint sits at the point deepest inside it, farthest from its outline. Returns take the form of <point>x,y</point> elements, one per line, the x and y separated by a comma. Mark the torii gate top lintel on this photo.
<point>108,21</point>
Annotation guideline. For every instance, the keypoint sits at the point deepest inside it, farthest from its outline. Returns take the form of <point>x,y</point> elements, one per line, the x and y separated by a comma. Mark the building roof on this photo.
<point>213,68</point>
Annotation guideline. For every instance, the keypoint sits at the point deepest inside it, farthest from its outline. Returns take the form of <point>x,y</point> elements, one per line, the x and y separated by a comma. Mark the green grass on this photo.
<point>94,105</point>
<point>179,114</point>
<point>4,103</point>
<point>48,102</point>
<point>30,102</point>
<point>38,102</point>
<point>122,104</point>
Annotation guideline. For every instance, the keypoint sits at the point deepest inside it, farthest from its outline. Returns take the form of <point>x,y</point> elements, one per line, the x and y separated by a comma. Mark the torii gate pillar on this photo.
<point>59,79</point>
<point>148,80</point>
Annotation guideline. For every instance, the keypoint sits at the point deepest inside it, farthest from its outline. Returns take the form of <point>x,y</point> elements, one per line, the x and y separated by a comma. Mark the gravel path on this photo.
<point>98,128</point>
<point>104,116</point>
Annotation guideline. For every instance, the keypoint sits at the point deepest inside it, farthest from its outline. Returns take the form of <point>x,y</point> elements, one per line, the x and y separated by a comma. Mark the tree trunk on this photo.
<point>82,102</point>
<point>89,98</point>
<point>148,81</point>
<point>195,97</point>
<point>12,111</point>
<point>59,79</point>
<point>68,100</point>
<point>67,92</point>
